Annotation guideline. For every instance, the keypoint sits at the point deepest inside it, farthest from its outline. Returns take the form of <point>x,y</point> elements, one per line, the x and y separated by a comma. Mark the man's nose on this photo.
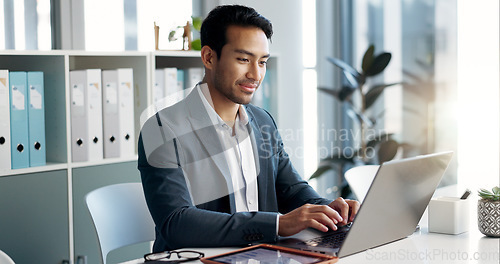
<point>254,72</point>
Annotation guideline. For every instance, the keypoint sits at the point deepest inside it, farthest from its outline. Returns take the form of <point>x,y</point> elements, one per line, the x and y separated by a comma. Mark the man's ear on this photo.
<point>208,56</point>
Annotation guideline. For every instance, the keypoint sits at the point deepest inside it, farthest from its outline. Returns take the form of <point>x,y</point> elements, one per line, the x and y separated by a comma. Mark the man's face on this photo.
<point>242,65</point>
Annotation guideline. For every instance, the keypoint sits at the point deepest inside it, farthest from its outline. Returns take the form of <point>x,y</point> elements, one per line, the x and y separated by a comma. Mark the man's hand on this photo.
<point>347,209</point>
<point>321,217</point>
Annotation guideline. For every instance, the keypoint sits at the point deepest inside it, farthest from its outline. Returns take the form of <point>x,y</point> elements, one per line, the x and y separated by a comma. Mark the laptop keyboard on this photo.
<point>333,240</point>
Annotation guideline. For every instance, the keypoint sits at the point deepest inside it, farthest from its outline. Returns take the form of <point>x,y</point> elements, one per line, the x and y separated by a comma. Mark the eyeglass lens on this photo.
<point>174,255</point>
<point>188,254</point>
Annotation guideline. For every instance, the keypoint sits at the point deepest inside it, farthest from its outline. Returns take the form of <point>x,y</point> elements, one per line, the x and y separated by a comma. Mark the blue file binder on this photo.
<point>180,80</point>
<point>18,120</point>
<point>36,119</point>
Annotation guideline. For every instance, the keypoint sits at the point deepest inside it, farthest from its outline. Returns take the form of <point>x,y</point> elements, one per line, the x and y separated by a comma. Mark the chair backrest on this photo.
<point>360,178</point>
<point>120,216</point>
<point>5,259</point>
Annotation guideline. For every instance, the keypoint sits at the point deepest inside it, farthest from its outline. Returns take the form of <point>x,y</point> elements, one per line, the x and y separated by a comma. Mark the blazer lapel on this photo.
<point>205,131</point>
<point>261,150</point>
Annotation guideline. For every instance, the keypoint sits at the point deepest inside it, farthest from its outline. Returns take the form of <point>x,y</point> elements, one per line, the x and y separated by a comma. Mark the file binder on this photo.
<point>172,92</point>
<point>158,91</point>
<point>193,76</point>
<point>36,119</point>
<point>111,129</point>
<point>86,115</point>
<point>5,157</point>
<point>18,120</point>
<point>126,112</point>
<point>262,97</point>
<point>180,81</point>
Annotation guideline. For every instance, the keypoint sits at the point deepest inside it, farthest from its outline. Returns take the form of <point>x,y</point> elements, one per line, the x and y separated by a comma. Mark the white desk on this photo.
<point>422,246</point>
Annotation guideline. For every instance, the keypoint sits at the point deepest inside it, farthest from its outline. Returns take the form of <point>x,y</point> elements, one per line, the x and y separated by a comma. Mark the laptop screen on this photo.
<point>395,202</point>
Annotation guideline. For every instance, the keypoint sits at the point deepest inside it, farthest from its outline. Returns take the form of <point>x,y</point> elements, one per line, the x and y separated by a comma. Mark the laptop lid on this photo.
<point>393,206</point>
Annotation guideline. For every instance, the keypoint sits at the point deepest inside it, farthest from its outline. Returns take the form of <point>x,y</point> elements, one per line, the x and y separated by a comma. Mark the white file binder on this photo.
<point>5,157</point>
<point>172,91</point>
<point>126,112</point>
<point>111,129</point>
<point>159,87</point>
<point>86,115</point>
<point>192,77</point>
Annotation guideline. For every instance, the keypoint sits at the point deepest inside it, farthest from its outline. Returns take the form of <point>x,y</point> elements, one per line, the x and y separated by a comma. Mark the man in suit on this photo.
<point>213,166</point>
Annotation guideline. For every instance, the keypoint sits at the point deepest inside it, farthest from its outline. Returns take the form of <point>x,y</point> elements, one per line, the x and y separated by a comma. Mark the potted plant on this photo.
<point>373,149</point>
<point>188,43</point>
<point>488,212</point>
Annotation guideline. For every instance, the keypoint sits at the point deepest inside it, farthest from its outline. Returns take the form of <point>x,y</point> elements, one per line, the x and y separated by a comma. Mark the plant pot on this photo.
<point>488,217</point>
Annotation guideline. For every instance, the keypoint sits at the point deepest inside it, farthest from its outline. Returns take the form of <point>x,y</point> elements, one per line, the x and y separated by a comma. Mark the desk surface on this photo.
<point>422,246</point>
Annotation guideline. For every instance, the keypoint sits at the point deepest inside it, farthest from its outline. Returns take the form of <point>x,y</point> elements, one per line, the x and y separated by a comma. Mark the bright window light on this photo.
<point>44,31</point>
<point>19,25</point>
<point>104,25</point>
<point>310,105</point>
<point>2,27</point>
<point>478,94</point>
<point>168,15</point>
<point>309,33</point>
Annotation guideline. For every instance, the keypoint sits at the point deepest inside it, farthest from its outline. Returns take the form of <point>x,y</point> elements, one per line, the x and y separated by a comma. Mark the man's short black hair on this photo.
<point>214,27</point>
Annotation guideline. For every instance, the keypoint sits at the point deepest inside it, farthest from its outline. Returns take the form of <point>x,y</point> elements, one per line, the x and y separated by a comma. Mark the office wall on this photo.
<point>286,16</point>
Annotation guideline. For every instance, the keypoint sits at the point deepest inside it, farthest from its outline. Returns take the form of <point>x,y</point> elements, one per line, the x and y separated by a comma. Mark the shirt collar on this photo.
<point>209,106</point>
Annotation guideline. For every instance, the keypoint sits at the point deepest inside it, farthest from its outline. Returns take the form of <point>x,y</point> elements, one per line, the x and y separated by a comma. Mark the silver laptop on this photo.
<point>392,208</point>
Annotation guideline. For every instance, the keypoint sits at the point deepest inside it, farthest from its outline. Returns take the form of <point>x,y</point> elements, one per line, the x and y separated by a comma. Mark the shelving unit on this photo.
<point>44,216</point>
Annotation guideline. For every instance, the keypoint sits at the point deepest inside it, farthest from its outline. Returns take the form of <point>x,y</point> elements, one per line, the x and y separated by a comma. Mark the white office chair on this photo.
<point>360,178</point>
<point>120,216</point>
<point>5,259</point>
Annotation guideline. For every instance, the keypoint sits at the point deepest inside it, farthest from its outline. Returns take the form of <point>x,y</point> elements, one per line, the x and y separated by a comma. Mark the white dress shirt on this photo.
<point>238,152</point>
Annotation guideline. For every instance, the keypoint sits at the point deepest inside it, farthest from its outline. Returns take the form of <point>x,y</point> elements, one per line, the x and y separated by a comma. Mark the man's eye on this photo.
<point>263,62</point>
<point>243,59</point>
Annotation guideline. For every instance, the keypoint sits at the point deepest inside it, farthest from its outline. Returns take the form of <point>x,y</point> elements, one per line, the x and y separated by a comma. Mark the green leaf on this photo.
<point>372,142</point>
<point>197,23</point>
<point>362,118</point>
<point>350,73</point>
<point>171,35</point>
<point>353,81</point>
<point>412,76</point>
<point>368,58</point>
<point>329,91</point>
<point>196,44</point>
<point>379,64</point>
<point>338,159</point>
<point>319,171</point>
<point>372,95</point>
<point>344,93</point>
<point>387,150</point>
<point>486,194</point>
<point>334,161</point>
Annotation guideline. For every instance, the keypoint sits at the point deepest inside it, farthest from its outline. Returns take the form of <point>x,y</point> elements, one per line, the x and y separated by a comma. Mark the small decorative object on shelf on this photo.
<point>189,42</point>
<point>157,36</point>
<point>186,37</point>
<point>488,212</point>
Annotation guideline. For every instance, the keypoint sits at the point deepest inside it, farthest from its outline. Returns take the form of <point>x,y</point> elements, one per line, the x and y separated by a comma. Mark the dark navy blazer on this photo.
<point>178,147</point>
